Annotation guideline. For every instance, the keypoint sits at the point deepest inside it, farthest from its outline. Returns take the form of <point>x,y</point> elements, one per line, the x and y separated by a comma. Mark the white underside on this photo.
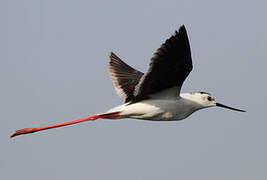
<point>158,108</point>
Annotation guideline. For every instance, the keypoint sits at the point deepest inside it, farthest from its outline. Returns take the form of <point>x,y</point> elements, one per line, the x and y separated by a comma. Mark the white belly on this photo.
<point>156,110</point>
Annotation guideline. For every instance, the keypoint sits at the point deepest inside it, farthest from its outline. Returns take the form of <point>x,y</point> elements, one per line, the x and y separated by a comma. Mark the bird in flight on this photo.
<point>154,95</point>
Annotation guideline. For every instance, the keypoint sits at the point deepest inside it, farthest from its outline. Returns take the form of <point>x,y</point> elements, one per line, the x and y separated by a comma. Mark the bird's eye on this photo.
<point>209,98</point>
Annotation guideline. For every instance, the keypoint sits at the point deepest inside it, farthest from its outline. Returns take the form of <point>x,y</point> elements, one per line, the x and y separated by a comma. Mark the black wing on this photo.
<point>169,66</point>
<point>124,77</point>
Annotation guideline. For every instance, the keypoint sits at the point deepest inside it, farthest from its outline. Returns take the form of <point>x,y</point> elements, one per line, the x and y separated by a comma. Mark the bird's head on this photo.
<point>206,100</point>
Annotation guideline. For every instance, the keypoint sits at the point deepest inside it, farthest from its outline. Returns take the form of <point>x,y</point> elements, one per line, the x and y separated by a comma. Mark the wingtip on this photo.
<point>182,28</point>
<point>111,53</point>
<point>113,56</point>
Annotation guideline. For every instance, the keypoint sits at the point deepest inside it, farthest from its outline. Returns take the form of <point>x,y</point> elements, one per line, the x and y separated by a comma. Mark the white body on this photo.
<point>159,108</point>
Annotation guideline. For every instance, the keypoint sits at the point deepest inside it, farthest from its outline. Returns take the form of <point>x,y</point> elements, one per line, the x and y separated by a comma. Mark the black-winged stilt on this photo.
<point>154,95</point>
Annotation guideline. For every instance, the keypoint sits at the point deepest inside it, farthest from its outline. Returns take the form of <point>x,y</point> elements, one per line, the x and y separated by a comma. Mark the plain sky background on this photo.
<point>54,68</point>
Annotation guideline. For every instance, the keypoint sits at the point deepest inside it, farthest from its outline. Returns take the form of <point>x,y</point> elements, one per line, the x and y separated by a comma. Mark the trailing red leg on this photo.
<point>94,117</point>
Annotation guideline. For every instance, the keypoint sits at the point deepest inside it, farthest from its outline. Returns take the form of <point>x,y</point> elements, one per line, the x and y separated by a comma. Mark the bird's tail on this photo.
<point>93,117</point>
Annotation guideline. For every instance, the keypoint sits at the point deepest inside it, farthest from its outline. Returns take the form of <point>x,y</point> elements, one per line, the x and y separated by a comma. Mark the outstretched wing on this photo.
<point>124,77</point>
<point>169,67</point>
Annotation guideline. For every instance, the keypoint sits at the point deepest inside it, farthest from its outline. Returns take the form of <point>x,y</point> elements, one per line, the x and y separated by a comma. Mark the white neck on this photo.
<point>192,101</point>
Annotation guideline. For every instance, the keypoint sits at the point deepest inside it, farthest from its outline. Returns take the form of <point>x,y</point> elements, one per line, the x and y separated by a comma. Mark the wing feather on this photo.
<point>168,68</point>
<point>124,77</point>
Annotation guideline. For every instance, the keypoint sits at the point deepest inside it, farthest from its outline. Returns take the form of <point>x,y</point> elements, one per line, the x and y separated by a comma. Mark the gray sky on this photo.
<point>54,68</point>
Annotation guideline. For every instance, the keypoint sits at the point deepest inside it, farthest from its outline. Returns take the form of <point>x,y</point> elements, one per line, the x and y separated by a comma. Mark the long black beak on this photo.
<point>227,107</point>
